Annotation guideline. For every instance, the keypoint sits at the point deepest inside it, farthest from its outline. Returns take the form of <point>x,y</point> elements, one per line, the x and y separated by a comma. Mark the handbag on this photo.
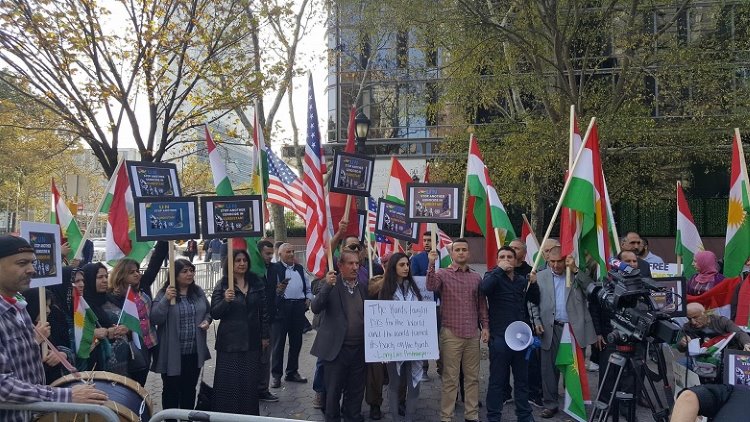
<point>205,396</point>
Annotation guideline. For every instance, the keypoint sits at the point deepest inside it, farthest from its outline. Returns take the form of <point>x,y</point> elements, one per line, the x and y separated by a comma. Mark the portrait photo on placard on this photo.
<point>736,367</point>
<point>434,202</point>
<point>166,219</point>
<point>352,174</point>
<point>151,180</point>
<point>232,216</point>
<point>672,299</point>
<point>391,221</point>
<point>45,239</point>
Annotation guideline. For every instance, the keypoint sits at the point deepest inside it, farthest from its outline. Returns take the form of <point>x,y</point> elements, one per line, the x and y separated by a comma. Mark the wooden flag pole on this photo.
<point>347,208</point>
<point>466,192</point>
<point>330,256</point>
<point>370,257</point>
<point>562,195</point>
<point>230,264</point>
<point>609,211</point>
<point>679,266</point>
<point>433,235</point>
<point>172,278</point>
<point>498,240</point>
<point>43,314</point>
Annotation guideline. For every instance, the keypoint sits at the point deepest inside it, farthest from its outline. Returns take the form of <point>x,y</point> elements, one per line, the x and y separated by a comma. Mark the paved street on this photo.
<point>296,399</point>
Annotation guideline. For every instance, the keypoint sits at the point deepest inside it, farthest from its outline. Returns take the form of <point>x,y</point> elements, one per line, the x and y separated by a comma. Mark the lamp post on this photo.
<point>362,128</point>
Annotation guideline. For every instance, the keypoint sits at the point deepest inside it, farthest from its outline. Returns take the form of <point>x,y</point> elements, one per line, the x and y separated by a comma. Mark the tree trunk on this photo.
<point>279,223</point>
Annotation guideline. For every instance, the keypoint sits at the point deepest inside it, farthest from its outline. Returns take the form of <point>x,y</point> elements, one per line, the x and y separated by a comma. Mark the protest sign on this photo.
<point>400,331</point>
<point>673,300</point>
<point>434,202</point>
<point>352,174</point>
<point>152,180</point>
<point>736,367</point>
<point>166,219</point>
<point>45,239</point>
<point>392,221</point>
<point>232,216</point>
<point>663,270</point>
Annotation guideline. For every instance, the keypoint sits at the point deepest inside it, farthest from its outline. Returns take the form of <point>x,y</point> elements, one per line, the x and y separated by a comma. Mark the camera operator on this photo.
<point>725,403</point>
<point>706,326</point>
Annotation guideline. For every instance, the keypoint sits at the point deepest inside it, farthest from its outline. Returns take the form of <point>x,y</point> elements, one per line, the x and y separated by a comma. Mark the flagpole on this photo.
<point>497,238</point>
<point>563,193</point>
<point>466,194</point>
<point>43,314</point>
<point>119,319</point>
<point>742,155</point>
<point>172,280</point>
<point>570,139</point>
<point>679,265</point>
<point>230,264</point>
<point>610,213</point>
<point>94,217</point>
<point>433,235</point>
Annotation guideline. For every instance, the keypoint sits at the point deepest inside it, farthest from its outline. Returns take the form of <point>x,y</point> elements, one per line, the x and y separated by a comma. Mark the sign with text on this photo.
<point>421,282</point>
<point>166,219</point>
<point>151,180</point>
<point>352,174</point>
<point>45,239</point>
<point>392,221</point>
<point>434,202</point>
<point>232,216</point>
<point>663,270</point>
<point>737,367</point>
<point>400,331</point>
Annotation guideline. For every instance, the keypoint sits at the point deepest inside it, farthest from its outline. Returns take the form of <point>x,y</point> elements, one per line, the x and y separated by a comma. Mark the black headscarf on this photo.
<point>63,293</point>
<point>57,318</point>
<point>95,299</point>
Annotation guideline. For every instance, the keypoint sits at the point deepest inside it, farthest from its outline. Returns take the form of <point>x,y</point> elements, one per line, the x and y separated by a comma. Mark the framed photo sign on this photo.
<point>153,180</point>
<point>166,219</point>
<point>232,216</point>
<point>673,300</point>
<point>352,174</point>
<point>736,367</point>
<point>45,239</point>
<point>392,221</point>
<point>434,202</point>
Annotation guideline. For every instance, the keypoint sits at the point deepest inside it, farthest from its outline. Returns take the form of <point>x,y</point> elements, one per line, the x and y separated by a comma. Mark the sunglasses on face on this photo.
<point>354,247</point>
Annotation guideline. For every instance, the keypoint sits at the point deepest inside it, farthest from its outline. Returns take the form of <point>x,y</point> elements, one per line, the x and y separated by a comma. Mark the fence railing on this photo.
<point>207,274</point>
<point>102,412</point>
<point>195,415</point>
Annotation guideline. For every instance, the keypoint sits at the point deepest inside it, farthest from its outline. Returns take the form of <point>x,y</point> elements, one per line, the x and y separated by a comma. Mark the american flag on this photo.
<point>284,187</point>
<point>314,168</point>
<point>372,214</point>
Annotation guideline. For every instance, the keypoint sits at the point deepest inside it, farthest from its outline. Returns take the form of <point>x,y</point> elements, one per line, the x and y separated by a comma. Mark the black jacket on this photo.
<point>244,321</point>
<point>275,274</point>
<point>507,299</point>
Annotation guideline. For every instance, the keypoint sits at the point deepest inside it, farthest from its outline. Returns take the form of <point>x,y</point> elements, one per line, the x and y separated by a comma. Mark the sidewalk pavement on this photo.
<point>295,400</point>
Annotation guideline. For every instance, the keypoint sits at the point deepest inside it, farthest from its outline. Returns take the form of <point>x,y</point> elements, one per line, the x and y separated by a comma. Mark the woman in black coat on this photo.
<point>243,331</point>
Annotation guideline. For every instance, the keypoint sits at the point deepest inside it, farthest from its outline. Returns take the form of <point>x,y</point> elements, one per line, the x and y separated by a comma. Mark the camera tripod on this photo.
<point>625,361</point>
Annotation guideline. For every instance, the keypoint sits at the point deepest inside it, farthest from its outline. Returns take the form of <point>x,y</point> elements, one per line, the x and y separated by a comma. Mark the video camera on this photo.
<point>635,317</point>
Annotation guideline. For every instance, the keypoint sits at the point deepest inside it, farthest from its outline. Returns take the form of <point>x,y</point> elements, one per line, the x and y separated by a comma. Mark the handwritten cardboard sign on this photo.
<point>400,331</point>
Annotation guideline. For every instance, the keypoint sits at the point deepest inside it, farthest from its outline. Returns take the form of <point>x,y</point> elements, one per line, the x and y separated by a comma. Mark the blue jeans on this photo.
<point>502,360</point>
<point>318,385</point>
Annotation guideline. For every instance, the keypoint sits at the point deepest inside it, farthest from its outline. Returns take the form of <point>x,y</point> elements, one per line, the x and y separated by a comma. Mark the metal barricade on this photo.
<point>59,407</point>
<point>207,274</point>
<point>197,415</point>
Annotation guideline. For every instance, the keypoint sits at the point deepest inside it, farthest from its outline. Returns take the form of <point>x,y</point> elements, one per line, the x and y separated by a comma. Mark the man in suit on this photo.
<point>293,297</point>
<point>340,341</point>
<point>561,301</point>
<point>265,248</point>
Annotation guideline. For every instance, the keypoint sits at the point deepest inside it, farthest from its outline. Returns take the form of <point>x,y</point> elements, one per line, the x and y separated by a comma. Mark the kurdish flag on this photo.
<point>118,205</point>
<point>532,244</point>
<point>443,242</point>
<point>688,241</point>
<point>399,177</point>
<point>586,197</point>
<point>129,316</point>
<point>84,322</point>
<point>737,248</point>
<point>224,188</point>
<point>569,361</point>
<point>60,214</point>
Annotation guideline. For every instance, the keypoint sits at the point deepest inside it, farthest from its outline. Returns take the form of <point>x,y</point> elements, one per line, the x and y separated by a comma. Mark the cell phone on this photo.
<point>285,281</point>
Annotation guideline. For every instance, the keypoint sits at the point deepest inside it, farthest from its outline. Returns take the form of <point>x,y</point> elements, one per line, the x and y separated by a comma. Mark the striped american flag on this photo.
<point>284,187</point>
<point>313,195</point>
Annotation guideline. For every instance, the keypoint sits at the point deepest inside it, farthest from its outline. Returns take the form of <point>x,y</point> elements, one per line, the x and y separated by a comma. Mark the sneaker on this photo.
<point>268,396</point>
<point>276,382</point>
<point>592,367</point>
<point>509,400</point>
<point>318,401</point>
<point>537,402</point>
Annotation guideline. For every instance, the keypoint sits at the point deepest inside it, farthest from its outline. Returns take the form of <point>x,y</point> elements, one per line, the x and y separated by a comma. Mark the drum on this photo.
<point>127,398</point>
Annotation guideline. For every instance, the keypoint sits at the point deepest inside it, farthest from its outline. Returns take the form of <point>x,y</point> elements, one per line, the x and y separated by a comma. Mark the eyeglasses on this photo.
<point>353,247</point>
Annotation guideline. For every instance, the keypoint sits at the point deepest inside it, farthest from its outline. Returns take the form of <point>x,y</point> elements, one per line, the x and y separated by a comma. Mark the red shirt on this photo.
<point>462,306</point>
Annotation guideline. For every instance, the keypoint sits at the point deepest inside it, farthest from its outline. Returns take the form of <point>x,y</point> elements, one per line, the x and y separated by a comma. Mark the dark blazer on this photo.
<point>244,321</point>
<point>277,272</point>
<point>333,322</point>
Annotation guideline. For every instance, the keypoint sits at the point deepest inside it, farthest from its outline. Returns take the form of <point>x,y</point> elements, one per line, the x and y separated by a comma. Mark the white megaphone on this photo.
<point>518,336</point>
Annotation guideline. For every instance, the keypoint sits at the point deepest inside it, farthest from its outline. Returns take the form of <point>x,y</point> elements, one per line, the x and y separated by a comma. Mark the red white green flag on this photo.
<point>129,316</point>
<point>60,214</point>
<point>585,196</point>
<point>687,242</point>
<point>737,248</point>
<point>118,205</point>
<point>532,244</point>
<point>570,361</point>
<point>84,323</point>
<point>397,181</point>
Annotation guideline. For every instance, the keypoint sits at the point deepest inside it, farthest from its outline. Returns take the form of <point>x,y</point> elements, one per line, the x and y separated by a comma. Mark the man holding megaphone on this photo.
<point>510,336</point>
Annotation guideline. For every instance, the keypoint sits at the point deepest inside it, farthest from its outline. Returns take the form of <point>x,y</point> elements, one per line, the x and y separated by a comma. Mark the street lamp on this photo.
<point>362,128</point>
